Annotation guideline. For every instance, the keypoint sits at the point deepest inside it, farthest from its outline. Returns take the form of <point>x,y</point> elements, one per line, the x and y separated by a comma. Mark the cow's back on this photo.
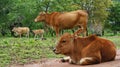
<point>81,12</point>
<point>71,19</point>
<point>24,29</point>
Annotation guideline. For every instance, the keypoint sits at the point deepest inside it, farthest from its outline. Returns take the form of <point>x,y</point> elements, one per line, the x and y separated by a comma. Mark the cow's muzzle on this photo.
<point>55,51</point>
<point>35,20</point>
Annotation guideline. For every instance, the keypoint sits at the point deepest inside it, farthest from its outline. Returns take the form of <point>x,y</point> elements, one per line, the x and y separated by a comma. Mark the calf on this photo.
<point>21,30</point>
<point>38,32</point>
<point>87,50</point>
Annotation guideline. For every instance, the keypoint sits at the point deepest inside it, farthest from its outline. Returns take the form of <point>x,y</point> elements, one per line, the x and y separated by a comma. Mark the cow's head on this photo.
<point>65,44</point>
<point>14,29</point>
<point>40,17</point>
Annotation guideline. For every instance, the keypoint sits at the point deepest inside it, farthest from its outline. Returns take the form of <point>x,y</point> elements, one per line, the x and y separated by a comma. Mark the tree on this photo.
<point>25,11</point>
<point>98,13</point>
<point>4,11</point>
<point>114,17</point>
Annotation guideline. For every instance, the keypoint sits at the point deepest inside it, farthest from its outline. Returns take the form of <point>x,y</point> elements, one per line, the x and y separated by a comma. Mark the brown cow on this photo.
<point>39,32</point>
<point>21,30</point>
<point>85,51</point>
<point>67,20</point>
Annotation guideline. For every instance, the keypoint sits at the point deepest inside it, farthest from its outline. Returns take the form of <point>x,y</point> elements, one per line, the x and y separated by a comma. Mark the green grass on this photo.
<point>115,39</point>
<point>20,51</point>
<point>16,50</point>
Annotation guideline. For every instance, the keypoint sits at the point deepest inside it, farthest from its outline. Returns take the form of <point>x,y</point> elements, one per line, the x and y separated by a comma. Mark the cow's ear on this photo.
<point>14,27</point>
<point>74,36</point>
<point>42,13</point>
<point>92,37</point>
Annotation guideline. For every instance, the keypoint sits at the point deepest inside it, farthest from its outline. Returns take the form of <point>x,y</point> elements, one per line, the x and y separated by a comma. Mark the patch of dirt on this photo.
<point>56,63</point>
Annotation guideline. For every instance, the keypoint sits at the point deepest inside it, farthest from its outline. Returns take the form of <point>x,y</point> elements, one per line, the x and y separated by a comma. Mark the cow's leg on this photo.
<point>41,36</point>
<point>89,60</point>
<point>20,35</point>
<point>65,59</point>
<point>90,56</point>
<point>35,36</point>
<point>84,31</point>
<point>28,34</point>
<point>68,59</point>
<point>57,32</point>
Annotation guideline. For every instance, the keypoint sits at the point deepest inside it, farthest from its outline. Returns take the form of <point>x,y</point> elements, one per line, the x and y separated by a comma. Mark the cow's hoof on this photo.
<point>71,61</point>
<point>36,39</point>
<point>64,60</point>
<point>43,39</point>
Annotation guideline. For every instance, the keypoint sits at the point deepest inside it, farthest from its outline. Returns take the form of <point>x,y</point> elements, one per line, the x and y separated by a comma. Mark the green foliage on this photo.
<point>96,8</point>
<point>24,50</point>
<point>98,13</point>
<point>15,50</point>
<point>25,11</point>
<point>4,10</point>
<point>114,16</point>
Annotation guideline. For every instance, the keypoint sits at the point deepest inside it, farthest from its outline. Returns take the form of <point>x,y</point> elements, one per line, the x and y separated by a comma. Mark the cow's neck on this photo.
<point>50,19</point>
<point>76,50</point>
<point>78,45</point>
<point>47,19</point>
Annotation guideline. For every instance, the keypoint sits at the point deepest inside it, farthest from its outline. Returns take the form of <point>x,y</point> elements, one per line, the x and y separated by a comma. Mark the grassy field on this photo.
<point>20,51</point>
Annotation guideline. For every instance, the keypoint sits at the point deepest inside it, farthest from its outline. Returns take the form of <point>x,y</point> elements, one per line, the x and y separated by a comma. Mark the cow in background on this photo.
<point>67,20</point>
<point>21,30</point>
<point>16,24</point>
<point>87,50</point>
<point>37,32</point>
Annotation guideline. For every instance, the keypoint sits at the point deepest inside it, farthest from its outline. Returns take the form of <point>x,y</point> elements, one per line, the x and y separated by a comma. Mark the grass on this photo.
<point>16,50</point>
<point>115,39</point>
<point>20,51</point>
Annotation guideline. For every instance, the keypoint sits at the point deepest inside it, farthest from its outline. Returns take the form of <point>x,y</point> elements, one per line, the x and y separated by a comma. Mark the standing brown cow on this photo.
<point>85,51</point>
<point>67,20</point>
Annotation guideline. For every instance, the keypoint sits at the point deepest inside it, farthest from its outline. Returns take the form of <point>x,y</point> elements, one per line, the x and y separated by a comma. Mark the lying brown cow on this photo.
<point>85,51</point>
<point>67,20</point>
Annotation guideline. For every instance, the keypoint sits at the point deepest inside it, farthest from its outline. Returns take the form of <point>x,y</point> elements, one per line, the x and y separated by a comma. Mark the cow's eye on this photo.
<point>63,41</point>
